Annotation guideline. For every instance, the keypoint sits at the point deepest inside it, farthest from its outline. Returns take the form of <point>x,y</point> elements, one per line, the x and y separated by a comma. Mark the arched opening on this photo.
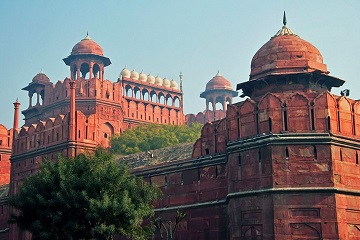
<point>96,70</point>
<point>210,104</point>
<point>161,98</point>
<point>84,69</point>
<point>153,96</point>
<point>145,95</point>
<point>137,92</point>
<point>169,100</point>
<point>107,130</point>
<point>128,91</point>
<point>219,103</point>
<point>176,102</point>
<point>218,106</point>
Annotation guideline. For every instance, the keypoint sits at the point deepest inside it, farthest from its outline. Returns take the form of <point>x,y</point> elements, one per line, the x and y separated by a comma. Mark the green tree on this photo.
<point>154,136</point>
<point>89,196</point>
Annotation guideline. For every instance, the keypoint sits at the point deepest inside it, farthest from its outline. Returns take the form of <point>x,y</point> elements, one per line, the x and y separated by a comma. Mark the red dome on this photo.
<point>218,82</point>
<point>286,53</point>
<point>87,46</point>
<point>40,78</point>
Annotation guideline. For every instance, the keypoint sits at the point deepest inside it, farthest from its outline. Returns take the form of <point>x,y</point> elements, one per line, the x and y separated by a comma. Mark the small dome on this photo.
<point>134,75</point>
<point>158,80</point>
<point>150,78</point>
<point>166,82</point>
<point>218,82</point>
<point>173,84</point>
<point>286,53</point>
<point>87,46</point>
<point>41,78</point>
<point>125,73</point>
<point>142,77</point>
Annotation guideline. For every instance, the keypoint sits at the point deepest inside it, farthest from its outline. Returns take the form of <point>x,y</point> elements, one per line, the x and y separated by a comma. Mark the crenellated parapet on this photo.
<point>277,113</point>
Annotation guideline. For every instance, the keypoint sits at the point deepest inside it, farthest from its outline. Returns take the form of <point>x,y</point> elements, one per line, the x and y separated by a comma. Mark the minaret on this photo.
<point>16,114</point>
<point>72,111</point>
<point>181,89</point>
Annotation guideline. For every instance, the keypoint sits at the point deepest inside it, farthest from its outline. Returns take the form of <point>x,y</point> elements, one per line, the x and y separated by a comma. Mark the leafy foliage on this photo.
<point>154,136</point>
<point>85,197</point>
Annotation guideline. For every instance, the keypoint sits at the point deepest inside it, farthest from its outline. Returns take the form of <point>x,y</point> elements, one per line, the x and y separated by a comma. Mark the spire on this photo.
<point>181,81</point>
<point>218,73</point>
<point>284,30</point>
<point>87,36</point>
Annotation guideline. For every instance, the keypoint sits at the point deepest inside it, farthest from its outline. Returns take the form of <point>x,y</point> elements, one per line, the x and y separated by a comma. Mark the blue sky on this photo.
<point>197,38</point>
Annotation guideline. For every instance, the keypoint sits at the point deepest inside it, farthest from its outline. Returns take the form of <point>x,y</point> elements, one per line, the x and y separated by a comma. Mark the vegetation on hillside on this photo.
<point>154,136</point>
<point>85,197</point>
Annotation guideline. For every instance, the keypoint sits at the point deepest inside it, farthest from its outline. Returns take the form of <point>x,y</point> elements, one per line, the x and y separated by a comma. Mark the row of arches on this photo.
<point>152,113</point>
<point>218,103</point>
<point>152,96</point>
<point>86,70</point>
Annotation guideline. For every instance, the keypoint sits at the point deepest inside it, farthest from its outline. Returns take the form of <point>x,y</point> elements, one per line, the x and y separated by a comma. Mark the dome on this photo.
<point>286,53</point>
<point>87,46</point>
<point>150,78</point>
<point>218,82</point>
<point>142,77</point>
<point>134,75</point>
<point>41,78</point>
<point>166,82</point>
<point>158,80</point>
<point>173,84</point>
<point>125,73</point>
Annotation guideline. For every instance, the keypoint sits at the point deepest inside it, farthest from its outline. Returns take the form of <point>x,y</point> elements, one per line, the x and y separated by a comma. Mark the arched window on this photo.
<point>84,69</point>
<point>96,70</point>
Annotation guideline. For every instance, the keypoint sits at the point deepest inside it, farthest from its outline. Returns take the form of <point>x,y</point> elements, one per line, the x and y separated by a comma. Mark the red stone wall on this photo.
<point>6,138</point>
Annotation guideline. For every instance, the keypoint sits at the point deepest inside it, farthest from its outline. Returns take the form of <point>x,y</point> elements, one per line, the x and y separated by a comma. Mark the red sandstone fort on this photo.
<point>281,164</point>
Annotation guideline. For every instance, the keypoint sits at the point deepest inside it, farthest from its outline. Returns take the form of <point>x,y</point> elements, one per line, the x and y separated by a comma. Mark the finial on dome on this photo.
<point>284,31</point>
<point>41,71</point>
<point>217,74</point>
<point>87,36</point>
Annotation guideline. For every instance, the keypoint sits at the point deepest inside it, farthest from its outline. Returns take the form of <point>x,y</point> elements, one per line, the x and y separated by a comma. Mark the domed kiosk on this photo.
<point>218,90</point>
<point>87,60</point>
<point>287,54</point>
<point>37,86</point>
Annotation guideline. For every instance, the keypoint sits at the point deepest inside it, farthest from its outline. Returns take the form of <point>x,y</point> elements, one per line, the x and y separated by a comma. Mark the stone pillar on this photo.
<point>77,71</point>
<point>37,98</point>
<point>16,114</point>
<point>30,98</point>
<point>91,65</point>
<point>72,126</point>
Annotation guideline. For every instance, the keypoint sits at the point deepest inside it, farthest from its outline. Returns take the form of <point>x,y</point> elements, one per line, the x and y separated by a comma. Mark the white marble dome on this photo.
<point>142,77</point>
<point>166,82</point>
<point>158,80</point>
<point>150,78</point>
<point>173,84</point>
<point>134,75</point>
<point>125,73</point>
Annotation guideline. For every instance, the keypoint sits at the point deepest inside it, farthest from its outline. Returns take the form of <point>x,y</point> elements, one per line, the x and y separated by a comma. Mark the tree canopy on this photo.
<point>85,197</point>
<point>154,136</point>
